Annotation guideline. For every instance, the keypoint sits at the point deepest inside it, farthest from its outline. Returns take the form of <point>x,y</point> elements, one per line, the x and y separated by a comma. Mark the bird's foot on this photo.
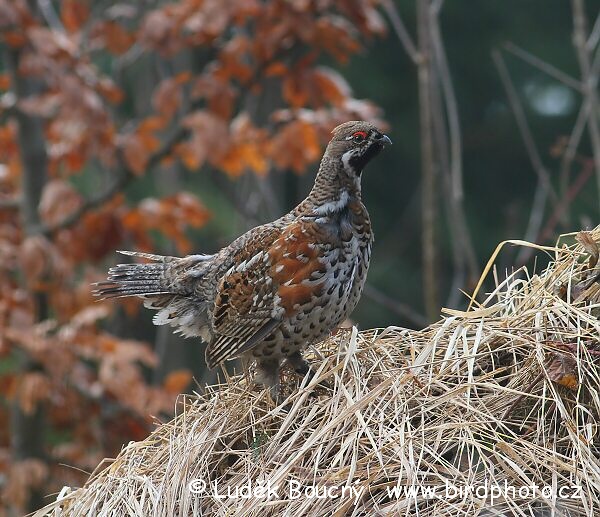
<point>303,369</point>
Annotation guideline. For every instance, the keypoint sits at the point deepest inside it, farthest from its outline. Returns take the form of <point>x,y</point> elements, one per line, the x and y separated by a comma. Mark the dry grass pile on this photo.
<point>466,417</point>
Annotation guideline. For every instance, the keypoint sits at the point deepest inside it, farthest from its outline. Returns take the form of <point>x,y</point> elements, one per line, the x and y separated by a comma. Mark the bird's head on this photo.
<point>354,144</point>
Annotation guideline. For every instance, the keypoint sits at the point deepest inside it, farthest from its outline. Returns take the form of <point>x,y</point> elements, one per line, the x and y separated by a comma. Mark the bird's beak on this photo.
<point>385,140</point>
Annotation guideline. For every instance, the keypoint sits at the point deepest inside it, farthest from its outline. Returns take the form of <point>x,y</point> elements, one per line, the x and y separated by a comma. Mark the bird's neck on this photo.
<point>334,187</point>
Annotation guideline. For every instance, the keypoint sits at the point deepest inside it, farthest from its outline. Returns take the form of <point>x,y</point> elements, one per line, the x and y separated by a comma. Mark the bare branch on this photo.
<point>586,173</point>
<point>572,145</point>
<point>517,108</point>
<point>589,81</point>
<point>594,35</point>
<point>451,108</point>
<point>436,6</point>
<point>47,10</point>
<point>400,30</point>
<point>542,65</point>
<point>463,252</point>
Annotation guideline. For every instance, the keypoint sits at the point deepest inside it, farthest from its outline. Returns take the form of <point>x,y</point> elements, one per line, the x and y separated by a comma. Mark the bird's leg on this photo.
<point>267,374</point>
<point>302,367</point>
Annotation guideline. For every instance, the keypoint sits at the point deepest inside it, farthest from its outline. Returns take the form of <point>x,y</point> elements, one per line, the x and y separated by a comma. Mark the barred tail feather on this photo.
<point>132,280</point>
<point>161,284</point>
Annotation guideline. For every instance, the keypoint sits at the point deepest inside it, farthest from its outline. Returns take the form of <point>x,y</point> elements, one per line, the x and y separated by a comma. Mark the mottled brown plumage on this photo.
<point>279,287</point>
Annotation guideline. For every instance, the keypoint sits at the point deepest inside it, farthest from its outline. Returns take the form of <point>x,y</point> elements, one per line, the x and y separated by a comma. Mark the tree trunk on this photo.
<point>27,440</point>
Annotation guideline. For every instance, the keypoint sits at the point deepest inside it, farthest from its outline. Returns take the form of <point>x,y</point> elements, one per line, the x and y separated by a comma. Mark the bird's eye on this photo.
<point>359,136</point>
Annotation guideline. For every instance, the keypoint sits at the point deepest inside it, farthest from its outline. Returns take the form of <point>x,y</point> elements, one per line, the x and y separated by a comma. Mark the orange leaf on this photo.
<point>295,90</point>
<point>276,69</point>
<point>177,381</point>
<point>4,81</point>
<point>74,14</point>
<point>59,199</point>
<point>330,87</point>
<point>135,154</point>
<point>112,36</point>
<point>192,156</point>
<point>167,98</point>
<point>33,388</point>
<point>152,123</point>
<point>14,38</point>
<point>109,91</point>
<point>35,258</point>
<point>563,370</point>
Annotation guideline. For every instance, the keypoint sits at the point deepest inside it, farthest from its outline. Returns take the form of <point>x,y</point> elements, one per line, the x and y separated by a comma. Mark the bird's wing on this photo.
<point>277,272</point>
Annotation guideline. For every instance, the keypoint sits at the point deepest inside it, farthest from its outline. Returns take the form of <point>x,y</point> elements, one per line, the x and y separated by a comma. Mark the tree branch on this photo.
<point>572,145</point>
<point>428,193</point>
<point>594,35</point>
<point>517,108</point>
<point>401,30</point>
<point>540,64</point>
<point>589,81</point>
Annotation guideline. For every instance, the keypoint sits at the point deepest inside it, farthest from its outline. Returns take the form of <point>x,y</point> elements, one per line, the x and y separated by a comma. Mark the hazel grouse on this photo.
<point>281,286</point>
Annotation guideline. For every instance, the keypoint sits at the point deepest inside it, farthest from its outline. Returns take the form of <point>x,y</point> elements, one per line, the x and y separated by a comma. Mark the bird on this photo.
<point>278,288</point>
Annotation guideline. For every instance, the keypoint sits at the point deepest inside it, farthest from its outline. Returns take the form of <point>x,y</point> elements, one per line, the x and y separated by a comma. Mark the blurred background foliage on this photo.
<point>176,126</point>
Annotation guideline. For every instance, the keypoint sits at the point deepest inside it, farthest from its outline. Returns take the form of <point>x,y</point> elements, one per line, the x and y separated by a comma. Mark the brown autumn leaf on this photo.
<point>59,199</point>
<point>74,13</point>
<point>330,87</point>
<point>109,90</point>
<point>295,145</point>
<point>24,475</point>
<point>140,144</point>
<point>177,381</point>
<point>35,258</point>
<point>112,36</point>
<point>135,154</point>
<point>159,31</point>
<point>97,234</point>
<point>168,95</point>
<point>14,38</point>
<point>209,139</point>
<point>192,153</point>
<point>248,148</point>
<point>32,388</point>
<point>276,69</point>
<point>220,95</point>
<point>188,208</point>
<point>295,89</point>
<point>562,369</point>
<point>43,105</point>
<point>4,81</point>
<point>335,35</point>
